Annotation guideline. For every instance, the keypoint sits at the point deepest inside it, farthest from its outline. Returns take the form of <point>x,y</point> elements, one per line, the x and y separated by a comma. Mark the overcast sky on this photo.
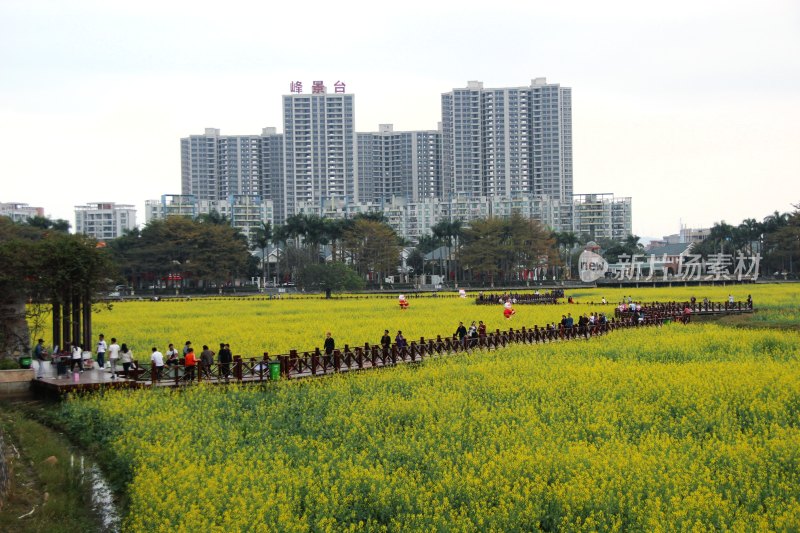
<point>690,108</point>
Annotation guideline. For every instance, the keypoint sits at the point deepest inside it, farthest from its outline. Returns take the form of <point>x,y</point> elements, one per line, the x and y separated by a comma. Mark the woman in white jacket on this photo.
<point>77,358</point>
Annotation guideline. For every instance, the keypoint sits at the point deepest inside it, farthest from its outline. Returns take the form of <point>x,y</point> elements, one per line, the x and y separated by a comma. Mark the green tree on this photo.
<point>199,253</point>
<point>372,247</point>
<point>260,239</point>
<point>503,247</point>
<point>449,232</point>
<point>613,250</point>
<point>330,277</point>
<point>416,261</point>
<point>428,243</point>
<point>48,268</point>
<point>483,248</point>
<point>58,224</point>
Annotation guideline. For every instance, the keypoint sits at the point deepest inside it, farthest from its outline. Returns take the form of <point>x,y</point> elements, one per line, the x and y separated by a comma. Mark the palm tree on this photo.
<point>315,235</point>
<point>449,232</point>
<point>567,240</point>
<point>775,221</point>
<point>334,230</point>
<point>260,238</point>
<point>279,235</point>
<point>750,231</point>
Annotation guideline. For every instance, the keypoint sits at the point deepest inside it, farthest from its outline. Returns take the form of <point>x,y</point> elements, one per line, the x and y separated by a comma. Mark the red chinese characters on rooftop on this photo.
<point>317,87</point>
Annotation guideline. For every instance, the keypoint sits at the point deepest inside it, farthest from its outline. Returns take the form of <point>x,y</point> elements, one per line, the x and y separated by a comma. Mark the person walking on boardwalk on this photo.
<point>77,358</point>
<point>189,363</point>
<point>102,346</point>
<point>400,341</point>
<point>461,332</point>
<point>157,360</point>
<point>40,353</point>
<point>472,334</point>
<point>206,360</point>
<point>330,344</point>
<point>481,329</point>
<point>225,357</point>
<point>113,357</point>
<point>126,356</point>
<point>386,340</point>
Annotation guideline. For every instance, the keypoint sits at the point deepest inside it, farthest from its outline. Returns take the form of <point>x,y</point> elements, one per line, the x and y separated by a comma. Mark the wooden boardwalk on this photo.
<point>314,363</point>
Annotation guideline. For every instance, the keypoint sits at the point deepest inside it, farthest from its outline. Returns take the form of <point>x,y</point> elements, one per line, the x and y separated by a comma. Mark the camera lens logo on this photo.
<point>591,266</point>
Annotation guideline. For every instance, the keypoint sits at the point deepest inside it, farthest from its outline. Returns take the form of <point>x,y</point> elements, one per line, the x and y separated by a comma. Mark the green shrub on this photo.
<point>9,364</point>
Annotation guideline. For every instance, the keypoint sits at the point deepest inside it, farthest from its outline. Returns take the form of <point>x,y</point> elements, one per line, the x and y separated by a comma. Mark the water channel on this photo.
<point>102,497</point>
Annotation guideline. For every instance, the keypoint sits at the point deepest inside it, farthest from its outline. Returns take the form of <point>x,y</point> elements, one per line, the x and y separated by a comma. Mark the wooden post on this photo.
<point>76,319</point>
<point>66,317</point>
<point>237,367</point>
<point>314,361</point>
<point>87,320</point>
<point>57,325</point>
<point>287,362</point>
<point>284,365</point>
<point>337,360</point>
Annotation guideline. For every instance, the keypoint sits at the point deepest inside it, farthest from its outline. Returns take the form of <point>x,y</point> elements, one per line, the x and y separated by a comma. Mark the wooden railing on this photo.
<point>699,308</point>
<point>315,363</point>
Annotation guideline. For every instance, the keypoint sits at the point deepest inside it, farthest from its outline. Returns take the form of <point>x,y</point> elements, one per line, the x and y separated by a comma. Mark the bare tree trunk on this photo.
<point>14,333</point>
<point>66,316</point>
<point>57,324</point>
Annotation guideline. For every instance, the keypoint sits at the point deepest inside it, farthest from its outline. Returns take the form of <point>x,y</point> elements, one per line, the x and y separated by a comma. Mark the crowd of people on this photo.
<point>76,358</point>
<point>535,298</point>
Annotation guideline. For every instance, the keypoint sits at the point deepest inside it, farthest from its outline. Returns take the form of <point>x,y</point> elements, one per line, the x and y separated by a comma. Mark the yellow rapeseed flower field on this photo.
<point>676,428</point>
<point>255,326</point>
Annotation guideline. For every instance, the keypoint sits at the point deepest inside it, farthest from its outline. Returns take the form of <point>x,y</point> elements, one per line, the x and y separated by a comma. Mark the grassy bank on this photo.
<point>46,489</point>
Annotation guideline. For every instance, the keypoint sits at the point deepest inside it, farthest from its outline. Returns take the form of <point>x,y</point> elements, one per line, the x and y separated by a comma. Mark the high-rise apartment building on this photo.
<point>507,142</point>
<point>404,164</point>
<point>104,220</point>
<point>215,166</point>
<point>272,176</point>
<point>319,149</point>
<point>496,151</point>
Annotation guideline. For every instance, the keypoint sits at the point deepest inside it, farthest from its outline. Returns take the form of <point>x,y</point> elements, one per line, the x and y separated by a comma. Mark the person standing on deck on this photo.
<point>101,352</point>
<point>40,353</point>
<point>126,356</point>
<point>206,360</point>
<point>157,359</point>
<point>113,357</point>
<point>386,340</point>
<point>225,359</point>
<point>330,344</point>
<point>190,363</point>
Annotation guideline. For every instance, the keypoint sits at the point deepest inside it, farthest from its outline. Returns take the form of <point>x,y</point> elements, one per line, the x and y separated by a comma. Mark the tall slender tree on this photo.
<point>260,239</point>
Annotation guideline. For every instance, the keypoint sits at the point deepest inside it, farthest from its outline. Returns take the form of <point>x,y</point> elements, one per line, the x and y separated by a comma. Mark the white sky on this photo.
<point>690,107</point>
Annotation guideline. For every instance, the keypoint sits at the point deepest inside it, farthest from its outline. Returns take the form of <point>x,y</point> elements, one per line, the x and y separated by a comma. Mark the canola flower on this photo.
<point>673,428</point>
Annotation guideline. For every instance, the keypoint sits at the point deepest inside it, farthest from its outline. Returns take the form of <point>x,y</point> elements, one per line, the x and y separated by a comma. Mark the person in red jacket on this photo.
<point>190,364</point>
